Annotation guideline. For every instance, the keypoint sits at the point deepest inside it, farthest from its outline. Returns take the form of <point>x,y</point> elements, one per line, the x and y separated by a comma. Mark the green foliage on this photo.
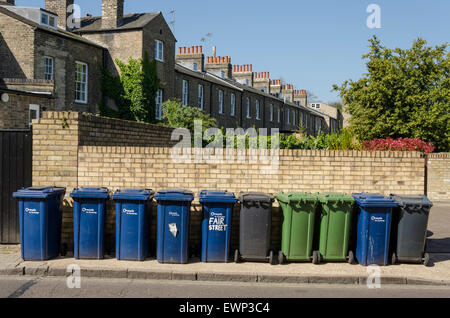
<point>178,116</point>
<point>134,91</point>
<point>405,93</point>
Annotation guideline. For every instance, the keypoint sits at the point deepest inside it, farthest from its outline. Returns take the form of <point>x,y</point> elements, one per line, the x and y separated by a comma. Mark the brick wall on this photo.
<point>16,48</point>
<point>94,151</point>
<point>15,113</point>
<point>438,176</point>
<point>303,171</point>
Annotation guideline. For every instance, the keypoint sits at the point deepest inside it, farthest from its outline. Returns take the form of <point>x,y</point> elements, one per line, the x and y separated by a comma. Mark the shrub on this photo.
<point>401,144</point>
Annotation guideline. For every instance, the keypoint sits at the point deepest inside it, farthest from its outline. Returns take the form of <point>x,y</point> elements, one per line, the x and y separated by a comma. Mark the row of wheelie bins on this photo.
<point>364,228</point>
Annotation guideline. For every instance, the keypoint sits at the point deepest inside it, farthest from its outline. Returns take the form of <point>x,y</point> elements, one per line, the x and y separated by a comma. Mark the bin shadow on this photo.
<point>438,246</point>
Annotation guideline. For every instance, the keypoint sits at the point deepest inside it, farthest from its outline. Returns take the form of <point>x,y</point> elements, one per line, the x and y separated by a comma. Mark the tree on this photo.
<point>178,116</point>
<point>405,93</point>
<point>134,91</point>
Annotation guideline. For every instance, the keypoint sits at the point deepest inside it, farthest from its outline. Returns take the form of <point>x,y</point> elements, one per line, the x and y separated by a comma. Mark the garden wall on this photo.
<point>91,151</point>
<point>438,176</point>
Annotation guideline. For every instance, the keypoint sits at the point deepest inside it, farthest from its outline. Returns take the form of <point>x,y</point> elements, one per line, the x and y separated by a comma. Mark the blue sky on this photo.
<point>311,44</point>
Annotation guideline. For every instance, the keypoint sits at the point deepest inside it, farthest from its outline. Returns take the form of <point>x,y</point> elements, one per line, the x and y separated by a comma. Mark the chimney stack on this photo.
<point>58,7</point>
<point>190,56</point>
<point>112,13</point>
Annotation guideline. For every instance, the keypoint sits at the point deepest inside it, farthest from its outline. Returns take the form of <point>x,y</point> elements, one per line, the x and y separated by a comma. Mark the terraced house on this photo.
<point>54,62</point>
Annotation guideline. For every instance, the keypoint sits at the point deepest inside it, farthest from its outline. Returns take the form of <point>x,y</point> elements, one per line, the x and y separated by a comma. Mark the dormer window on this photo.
<point>48,20</point>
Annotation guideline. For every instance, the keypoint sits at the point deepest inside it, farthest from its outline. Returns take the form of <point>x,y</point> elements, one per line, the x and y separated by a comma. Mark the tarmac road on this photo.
<point>46,287</point>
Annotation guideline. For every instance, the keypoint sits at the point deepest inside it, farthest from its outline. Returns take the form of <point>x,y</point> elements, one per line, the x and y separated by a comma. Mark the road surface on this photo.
<point>47,287</point>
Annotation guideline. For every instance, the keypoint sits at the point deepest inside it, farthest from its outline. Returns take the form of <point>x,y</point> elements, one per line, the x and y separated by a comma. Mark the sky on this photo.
<point>310,44</point>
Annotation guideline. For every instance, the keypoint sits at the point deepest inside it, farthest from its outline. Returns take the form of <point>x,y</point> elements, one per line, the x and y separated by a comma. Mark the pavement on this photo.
<point>437,274</point>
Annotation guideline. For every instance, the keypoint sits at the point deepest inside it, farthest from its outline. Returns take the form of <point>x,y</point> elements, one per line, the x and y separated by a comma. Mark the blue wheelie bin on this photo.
<point>132,223</point>
<point>216,225</point>
<point>40,217</point>
<point>89,209</point>
<point>373,229</point>
<point>173,225</point>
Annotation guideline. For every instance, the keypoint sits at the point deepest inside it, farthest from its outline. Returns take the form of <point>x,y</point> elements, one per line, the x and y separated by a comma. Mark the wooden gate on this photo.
<point>15,173</point>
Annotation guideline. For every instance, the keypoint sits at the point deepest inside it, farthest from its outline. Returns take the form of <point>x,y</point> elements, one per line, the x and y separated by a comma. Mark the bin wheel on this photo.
<point>271,258</point>
<point>281,258</point>
<point>236,256</point>
<point>316,257</point>
<point>426,259</point>
<point>394,259</point>
<point>351,258</point>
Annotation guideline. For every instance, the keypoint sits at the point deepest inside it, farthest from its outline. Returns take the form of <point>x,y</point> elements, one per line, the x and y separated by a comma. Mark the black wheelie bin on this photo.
<point>255,228</point>
<point>409,231</point>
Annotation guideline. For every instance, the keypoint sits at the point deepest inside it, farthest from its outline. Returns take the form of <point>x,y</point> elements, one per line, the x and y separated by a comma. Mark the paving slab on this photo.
<point>297,273</point>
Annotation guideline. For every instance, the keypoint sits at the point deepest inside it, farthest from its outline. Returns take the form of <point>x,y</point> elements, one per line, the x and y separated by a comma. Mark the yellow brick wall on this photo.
<point>299,170</point>
<point>438,183</point>
<point>92,151</point>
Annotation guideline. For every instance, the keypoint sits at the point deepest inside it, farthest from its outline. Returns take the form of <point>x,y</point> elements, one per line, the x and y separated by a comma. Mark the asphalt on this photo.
<point>437,274</point>
<point>56,287</point>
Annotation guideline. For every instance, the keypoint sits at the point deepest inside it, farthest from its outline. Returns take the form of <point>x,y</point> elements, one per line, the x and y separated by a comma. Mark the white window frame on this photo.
<point>201,98</point>
<point>86,83</point>
<point>159,50</point>
<point>221,97</point>
<point>159,102</point>
<point>195,67</point>
<point>49,70</point>
<point>288,116</point>
<point>233,104</point>
<point>279,114</point>
<point>185,93</point>
<point>258,113</point>
<point>271,112</point>
<point>301,120</point>
<point>293,117</point>
<point>249,115</point>
<point>222,74</point>
<point>47,17</point>
<point>37,109</point>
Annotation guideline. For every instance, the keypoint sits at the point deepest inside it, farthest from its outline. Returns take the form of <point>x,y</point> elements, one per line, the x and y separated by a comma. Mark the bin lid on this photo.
<point>38,192</point>
<point>133,194</point>
<point>296,197</point>
<point>255,197</point>
<point>214,196</point>
<point>90,193</point>
<point>175,195</point>
<point>335,197</point>
<point>403,201</point>
<point>373,200</point>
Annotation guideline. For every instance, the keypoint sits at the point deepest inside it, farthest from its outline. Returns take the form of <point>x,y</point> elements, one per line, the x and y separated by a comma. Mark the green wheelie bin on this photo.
<point>334,220</point>
<point>299,213</point>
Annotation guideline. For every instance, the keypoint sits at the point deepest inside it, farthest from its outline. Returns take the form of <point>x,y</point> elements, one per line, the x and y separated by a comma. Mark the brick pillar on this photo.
<point>55,159</point>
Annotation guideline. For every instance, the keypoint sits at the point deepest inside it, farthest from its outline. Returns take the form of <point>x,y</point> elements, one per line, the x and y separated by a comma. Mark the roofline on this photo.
<point>58,31</point>
<point>19,92</point>
<point>159,13</point>
<point>203,75</point>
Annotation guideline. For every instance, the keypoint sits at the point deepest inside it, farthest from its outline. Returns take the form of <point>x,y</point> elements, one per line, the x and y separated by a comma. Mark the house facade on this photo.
<point>49,45</point>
